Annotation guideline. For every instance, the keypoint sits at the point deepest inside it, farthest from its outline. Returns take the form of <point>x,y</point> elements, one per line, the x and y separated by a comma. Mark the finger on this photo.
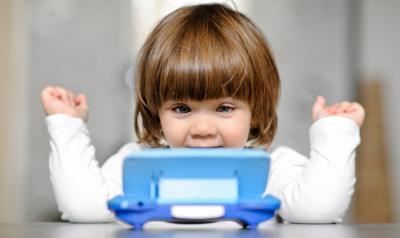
<point>55,93</point>
<point>333,108</point>
<point>81,101</point>
<point>345,106</point>
<point>356,107</point>
<point>351,108</point>
<point>330,110</point>
<point>65,95</point>
<point>318,105</point>
<point>341,107</point>
<point>47,96</point>
<point>46,92</point>
<point>71,97</point>
<point>337,107</point>
<point>82,106</point>
<point>61,93</point>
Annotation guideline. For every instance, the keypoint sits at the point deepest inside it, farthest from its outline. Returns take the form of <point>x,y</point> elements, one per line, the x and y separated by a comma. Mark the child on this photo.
<point>206,78</point>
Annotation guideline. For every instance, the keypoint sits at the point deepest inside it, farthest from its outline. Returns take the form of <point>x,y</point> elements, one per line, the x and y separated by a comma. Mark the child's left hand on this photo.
<point>350,110</point>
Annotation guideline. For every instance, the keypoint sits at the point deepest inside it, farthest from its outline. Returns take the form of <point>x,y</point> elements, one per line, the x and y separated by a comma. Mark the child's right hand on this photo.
<point>351,110</point>
<point>60,100</point>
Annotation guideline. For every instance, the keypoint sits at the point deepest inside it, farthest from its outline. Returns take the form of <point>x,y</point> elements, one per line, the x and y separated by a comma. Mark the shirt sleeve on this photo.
<point>81,187</point>
<point>317,189</point>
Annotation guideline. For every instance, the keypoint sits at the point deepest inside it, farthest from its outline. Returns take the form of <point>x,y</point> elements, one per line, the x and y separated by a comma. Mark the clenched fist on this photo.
<point>60,100</point>
<point>350,110</point>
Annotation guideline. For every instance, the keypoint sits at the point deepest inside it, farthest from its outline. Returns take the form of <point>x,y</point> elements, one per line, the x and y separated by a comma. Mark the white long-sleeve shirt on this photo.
<point>317,189</point>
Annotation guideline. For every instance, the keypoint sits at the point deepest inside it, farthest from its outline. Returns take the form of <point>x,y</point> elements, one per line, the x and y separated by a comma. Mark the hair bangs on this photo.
<point>205,65</point>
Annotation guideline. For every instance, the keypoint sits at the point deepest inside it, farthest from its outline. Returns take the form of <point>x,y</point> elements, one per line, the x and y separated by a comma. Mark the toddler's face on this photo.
<point>223,122</point>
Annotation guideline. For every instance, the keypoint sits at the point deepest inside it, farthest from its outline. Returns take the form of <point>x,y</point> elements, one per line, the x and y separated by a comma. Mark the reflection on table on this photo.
<point>215,230</point>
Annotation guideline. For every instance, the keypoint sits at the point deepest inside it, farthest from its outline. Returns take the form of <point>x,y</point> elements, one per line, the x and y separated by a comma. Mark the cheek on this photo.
<point>240,132</point>
<point>173,131</point>
<point>236,133</point>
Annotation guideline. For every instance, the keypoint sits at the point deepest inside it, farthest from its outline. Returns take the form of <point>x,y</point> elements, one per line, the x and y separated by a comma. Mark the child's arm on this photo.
<point>81,188</point>
<point>318,189</point>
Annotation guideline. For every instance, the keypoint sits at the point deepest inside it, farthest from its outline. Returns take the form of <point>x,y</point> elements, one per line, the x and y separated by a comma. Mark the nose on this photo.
<point>203,128</point>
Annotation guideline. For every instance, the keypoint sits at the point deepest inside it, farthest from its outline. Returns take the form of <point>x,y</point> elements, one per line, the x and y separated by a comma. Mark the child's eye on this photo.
<point>182,109</point>
<point>225,108</point>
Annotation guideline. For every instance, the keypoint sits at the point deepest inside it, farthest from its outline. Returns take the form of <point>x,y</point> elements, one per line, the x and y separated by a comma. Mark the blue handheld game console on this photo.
<point>195,186</point>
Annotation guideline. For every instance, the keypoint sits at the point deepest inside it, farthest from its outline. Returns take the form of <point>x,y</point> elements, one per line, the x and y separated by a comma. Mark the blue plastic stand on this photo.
<point>158,181</point>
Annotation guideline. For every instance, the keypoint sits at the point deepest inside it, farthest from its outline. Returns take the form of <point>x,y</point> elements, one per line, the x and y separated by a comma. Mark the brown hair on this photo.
<point>206,52</point>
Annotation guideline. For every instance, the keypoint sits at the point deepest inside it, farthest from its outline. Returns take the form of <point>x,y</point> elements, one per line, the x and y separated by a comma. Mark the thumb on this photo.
<point>81,101</point>
<point>318,106</point>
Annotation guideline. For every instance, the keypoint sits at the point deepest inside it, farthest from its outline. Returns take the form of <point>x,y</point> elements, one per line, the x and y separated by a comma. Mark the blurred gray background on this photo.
<point>321,47</point>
